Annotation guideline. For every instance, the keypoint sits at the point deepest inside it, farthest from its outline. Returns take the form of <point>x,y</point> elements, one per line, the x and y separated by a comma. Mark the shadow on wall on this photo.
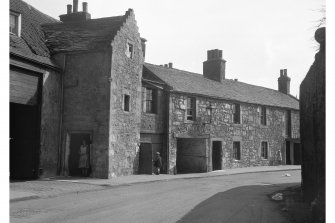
<point>240,205</point>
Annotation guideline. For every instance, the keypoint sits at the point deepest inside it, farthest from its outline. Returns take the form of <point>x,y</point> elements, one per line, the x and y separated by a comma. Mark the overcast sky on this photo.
<point>258,38</point>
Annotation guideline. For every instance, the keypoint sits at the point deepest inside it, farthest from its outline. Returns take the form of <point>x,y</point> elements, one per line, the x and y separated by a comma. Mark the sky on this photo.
<point>257,38</point>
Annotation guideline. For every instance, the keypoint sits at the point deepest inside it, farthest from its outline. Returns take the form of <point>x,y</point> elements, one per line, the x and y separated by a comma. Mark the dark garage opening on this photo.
<point>25,116</point>
<point>191,155</point>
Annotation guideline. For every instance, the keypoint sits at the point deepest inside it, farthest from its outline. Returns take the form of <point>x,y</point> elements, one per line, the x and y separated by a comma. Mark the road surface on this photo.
<point>239,198</point>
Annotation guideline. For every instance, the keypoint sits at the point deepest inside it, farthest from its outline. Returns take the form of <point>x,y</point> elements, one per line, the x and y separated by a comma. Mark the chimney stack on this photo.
<point>69,9</point>
<point>84,6</point>
<point>75,16</point>
<point>75,6</point>
<point>170,65</point>
<point>215,67</point>
<point>284,82</point>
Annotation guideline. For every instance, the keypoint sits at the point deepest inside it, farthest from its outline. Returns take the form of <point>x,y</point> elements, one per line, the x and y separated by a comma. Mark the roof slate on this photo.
<point>93,34</point>
<point>193,83</point>
<point>31,44</point>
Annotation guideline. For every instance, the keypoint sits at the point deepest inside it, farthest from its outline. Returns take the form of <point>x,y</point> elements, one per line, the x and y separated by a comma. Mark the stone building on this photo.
<point>89,88</point>
<point>213,123</point>
<point>81,79</point>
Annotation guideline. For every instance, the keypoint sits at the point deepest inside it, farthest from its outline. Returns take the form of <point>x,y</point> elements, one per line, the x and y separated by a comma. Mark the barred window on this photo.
<point>237,113</point>
<point>264,150</point>
<point>237,150</point>
<point>191,106</point>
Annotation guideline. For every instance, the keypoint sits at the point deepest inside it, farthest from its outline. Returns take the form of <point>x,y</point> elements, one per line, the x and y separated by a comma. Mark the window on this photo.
<point>130,50</point>
<point>190,113</point>
<point>126,102</point>
<point>288,124</point>
<point>237,113</point>
<point>149,99</point>
<point>237,150</point>
<point>15,23</point>
<point>264,150</point>
<point>263,115</point>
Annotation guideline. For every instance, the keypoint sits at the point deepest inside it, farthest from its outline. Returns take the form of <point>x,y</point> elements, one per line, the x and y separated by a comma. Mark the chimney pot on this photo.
<point>165,65</point>
<point>170,65</point>
<point>84,6</point>
<point>285,72</point>
<point>75,6</point>
<point>281,72</point>
<point>69,9</point>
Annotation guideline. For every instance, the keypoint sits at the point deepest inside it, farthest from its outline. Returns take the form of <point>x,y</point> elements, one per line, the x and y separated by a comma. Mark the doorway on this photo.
<point>76,140</point>
<point>217,155</point>
<point>146,158</point>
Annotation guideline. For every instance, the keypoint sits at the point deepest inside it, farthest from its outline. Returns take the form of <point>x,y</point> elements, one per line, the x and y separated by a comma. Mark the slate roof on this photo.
<point>193,83</point>
<point>31,44</point>
<point>93,34</point>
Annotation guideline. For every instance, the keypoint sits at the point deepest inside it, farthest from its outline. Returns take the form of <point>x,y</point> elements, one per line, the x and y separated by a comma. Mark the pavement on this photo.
<point>58,186</point>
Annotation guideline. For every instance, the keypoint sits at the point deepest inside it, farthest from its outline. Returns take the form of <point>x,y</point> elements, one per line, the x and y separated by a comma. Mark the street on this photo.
<point>235,198</point>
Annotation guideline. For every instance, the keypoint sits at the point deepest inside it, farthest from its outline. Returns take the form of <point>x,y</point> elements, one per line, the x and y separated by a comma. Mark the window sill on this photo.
<point>189,121</point>
<point>236,160</point>
<point>149,114</point>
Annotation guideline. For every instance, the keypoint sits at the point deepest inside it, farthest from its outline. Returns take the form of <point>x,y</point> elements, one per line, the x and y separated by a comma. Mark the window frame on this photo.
<point>263,115</point>
<point>18,23</point>
<point>237,113</point>
<point>237,150</point>
<point>191,107</point>
<point>264,153</point>
<point>146,101</point>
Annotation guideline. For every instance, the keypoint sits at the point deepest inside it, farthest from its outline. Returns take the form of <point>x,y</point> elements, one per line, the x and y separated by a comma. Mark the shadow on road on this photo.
<point>246,204</point>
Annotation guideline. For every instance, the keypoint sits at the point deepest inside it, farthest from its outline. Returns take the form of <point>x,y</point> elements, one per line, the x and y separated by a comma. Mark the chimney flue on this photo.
<point>75,5</point>
<point>84,6</point>
<point>69,9</point>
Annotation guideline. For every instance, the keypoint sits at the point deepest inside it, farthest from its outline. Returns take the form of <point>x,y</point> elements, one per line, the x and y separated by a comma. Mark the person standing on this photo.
<point>83,158</point>
<point>157,164</point>
<point>279,157</point>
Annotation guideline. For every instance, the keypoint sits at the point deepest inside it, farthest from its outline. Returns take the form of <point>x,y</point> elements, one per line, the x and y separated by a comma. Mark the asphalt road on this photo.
<point>239,198</point>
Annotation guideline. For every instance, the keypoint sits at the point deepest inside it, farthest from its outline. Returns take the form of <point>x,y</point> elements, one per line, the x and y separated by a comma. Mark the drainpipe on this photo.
<point>167,112</point>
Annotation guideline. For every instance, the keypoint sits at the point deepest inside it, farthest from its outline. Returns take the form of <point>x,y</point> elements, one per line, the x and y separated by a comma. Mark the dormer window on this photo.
<point>15,23</point>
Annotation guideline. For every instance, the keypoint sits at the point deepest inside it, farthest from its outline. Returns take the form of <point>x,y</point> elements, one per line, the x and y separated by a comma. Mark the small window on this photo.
<point>149,99</point>
<point>126,102</point>
<point>263,115</point>
<point>130,50</point>
<point>15,23</point>
<point>237,113</point>
<point>288,124</point>
<point>191,106</point>
<point>264,150</point>
<point>237,150</point>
